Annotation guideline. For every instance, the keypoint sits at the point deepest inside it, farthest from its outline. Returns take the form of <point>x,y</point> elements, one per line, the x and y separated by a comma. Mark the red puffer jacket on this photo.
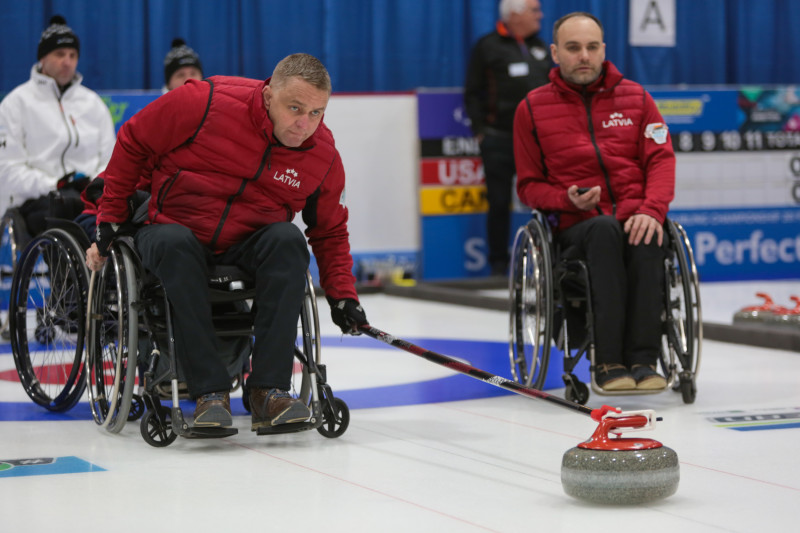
<point>610,134</point>
<point>220,172</point>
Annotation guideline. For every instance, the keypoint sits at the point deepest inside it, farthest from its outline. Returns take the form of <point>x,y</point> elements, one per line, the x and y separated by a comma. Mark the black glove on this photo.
<point>348,315</point>
<point>106,233</point>
<point>76,181</point>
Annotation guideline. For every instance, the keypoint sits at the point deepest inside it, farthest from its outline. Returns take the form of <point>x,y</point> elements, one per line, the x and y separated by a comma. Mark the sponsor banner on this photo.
<point>450,147</point>
<point>45,466</point>
<point>452,200</point>
<point>376,266</point>
<point>757,420</point>
<point>441,114</point>
<point>123,105</point>
<point>452,171</point>
<point>698,111</point>
<point>738,244</point>
<point>735,141</point>
<point>749,119</point>
<point>456,245</point>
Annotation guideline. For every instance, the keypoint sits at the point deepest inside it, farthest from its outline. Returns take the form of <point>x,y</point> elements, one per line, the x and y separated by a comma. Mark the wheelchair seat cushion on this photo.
<point>222,275</point>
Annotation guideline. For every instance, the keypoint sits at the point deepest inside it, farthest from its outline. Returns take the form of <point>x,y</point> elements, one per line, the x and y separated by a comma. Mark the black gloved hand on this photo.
<point>73,180</point>
<point>106,233</point>
<point>348,315</point>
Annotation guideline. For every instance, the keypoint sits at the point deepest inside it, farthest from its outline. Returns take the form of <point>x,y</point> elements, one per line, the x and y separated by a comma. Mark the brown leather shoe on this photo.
<point>213,410</point>
<point>271,407</point>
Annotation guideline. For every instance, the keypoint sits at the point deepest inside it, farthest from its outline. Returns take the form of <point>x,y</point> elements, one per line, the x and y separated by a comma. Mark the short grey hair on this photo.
<point>511,6</point>
<point>303,66</point>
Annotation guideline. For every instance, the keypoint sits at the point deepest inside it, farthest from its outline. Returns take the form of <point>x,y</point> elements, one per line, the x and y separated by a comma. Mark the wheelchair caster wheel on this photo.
<point>137,408</point>
<point>154,431</point>
<point>577,392</point>
<point>688,387</point>
<point>330,427</point>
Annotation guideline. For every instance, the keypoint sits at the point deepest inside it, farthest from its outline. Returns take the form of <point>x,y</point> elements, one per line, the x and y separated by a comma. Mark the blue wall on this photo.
<point>387,45</point>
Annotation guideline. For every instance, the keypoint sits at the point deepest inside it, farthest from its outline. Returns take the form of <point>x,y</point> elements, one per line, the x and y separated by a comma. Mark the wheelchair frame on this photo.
<point>538,296</point>
<point>119,312</point>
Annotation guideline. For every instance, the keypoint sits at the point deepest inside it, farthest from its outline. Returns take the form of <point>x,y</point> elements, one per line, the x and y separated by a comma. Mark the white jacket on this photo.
<point>45,134</point>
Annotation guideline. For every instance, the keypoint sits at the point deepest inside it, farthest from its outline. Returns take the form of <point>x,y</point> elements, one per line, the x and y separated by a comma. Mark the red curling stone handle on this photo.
<point>601,440</point>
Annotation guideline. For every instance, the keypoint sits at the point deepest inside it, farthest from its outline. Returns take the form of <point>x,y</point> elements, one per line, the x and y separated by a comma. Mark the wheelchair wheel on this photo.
<point>684,326</point>
<point>531,291</point>
<point>308,344</point>
<point>156,428</point>
<point>9,255</point>
<point>112,340</point>
<point>336,420</point>
<point>47,319</point>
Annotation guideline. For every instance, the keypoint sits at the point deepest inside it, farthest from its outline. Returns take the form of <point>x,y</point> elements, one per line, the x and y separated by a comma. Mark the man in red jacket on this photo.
<point>236,160</point>
<point>592,149</point>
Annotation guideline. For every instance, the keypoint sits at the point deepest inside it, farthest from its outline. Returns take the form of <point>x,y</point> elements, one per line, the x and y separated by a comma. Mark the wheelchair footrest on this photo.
<point>209,433</point>
<point>286,428</point>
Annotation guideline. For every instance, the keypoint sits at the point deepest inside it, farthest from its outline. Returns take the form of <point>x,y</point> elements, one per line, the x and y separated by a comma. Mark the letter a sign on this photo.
<point>652,23</point>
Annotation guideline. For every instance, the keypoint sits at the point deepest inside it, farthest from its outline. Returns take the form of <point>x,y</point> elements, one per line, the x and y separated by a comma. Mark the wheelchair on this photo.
<point>47,314</point>
<point>551,310</point>
<point>131,361</point>
<point>15,235</point>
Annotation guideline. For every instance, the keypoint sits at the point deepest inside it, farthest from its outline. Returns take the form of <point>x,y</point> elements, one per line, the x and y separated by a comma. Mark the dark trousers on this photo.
<point>627,289</point>
<point>497,152</point>
<point>276,256</point>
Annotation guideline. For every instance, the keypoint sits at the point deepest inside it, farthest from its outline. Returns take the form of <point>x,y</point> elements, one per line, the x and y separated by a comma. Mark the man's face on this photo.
<point>60,64</point>
<point>579,50</point>
<point>296,110</point>
<point>180,76</point>
<point>529,21</point>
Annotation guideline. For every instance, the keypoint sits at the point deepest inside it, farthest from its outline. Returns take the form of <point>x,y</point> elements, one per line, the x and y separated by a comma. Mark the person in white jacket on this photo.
<point>54,132</point>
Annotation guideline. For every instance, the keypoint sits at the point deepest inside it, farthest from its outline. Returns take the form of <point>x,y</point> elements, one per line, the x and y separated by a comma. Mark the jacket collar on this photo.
<point>504,31</point>
<point>46,82</point>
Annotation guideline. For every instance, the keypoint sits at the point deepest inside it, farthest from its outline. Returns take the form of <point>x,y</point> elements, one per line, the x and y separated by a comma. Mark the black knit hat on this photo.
<point>180,56</point>
<point>57,35</point>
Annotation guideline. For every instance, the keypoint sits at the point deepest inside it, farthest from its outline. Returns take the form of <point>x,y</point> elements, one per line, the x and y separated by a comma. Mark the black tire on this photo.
<point>531,292</point>
<point>578,393</point>
<point>688,388</point>
<point>157,430</point>
<point>330,428</point>
<point>137,408</point>
<point>47,321</point>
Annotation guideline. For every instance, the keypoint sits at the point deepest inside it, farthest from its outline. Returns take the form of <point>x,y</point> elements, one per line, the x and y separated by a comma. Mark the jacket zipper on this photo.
<point>69,137</point>
<point>588,105</point>
<point>77,135</point>
<point>232,198</point>
<point>162,193</point>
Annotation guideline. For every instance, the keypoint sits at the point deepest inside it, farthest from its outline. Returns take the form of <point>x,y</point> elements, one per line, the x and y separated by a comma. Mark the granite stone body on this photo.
<point>620,477</point>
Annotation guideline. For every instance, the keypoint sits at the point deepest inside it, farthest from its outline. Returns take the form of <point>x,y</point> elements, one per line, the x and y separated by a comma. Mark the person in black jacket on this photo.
<point>504,66</point>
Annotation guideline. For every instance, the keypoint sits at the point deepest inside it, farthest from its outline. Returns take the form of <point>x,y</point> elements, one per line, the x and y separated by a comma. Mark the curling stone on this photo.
<point>756,313</point>
<point>784,316</point>
<point>620,471</point>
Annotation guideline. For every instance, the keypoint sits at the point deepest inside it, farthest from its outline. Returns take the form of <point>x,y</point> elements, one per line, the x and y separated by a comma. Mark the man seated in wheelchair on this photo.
<point>55,135</point>
<point>236,159</point>
<point>593,152</point>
